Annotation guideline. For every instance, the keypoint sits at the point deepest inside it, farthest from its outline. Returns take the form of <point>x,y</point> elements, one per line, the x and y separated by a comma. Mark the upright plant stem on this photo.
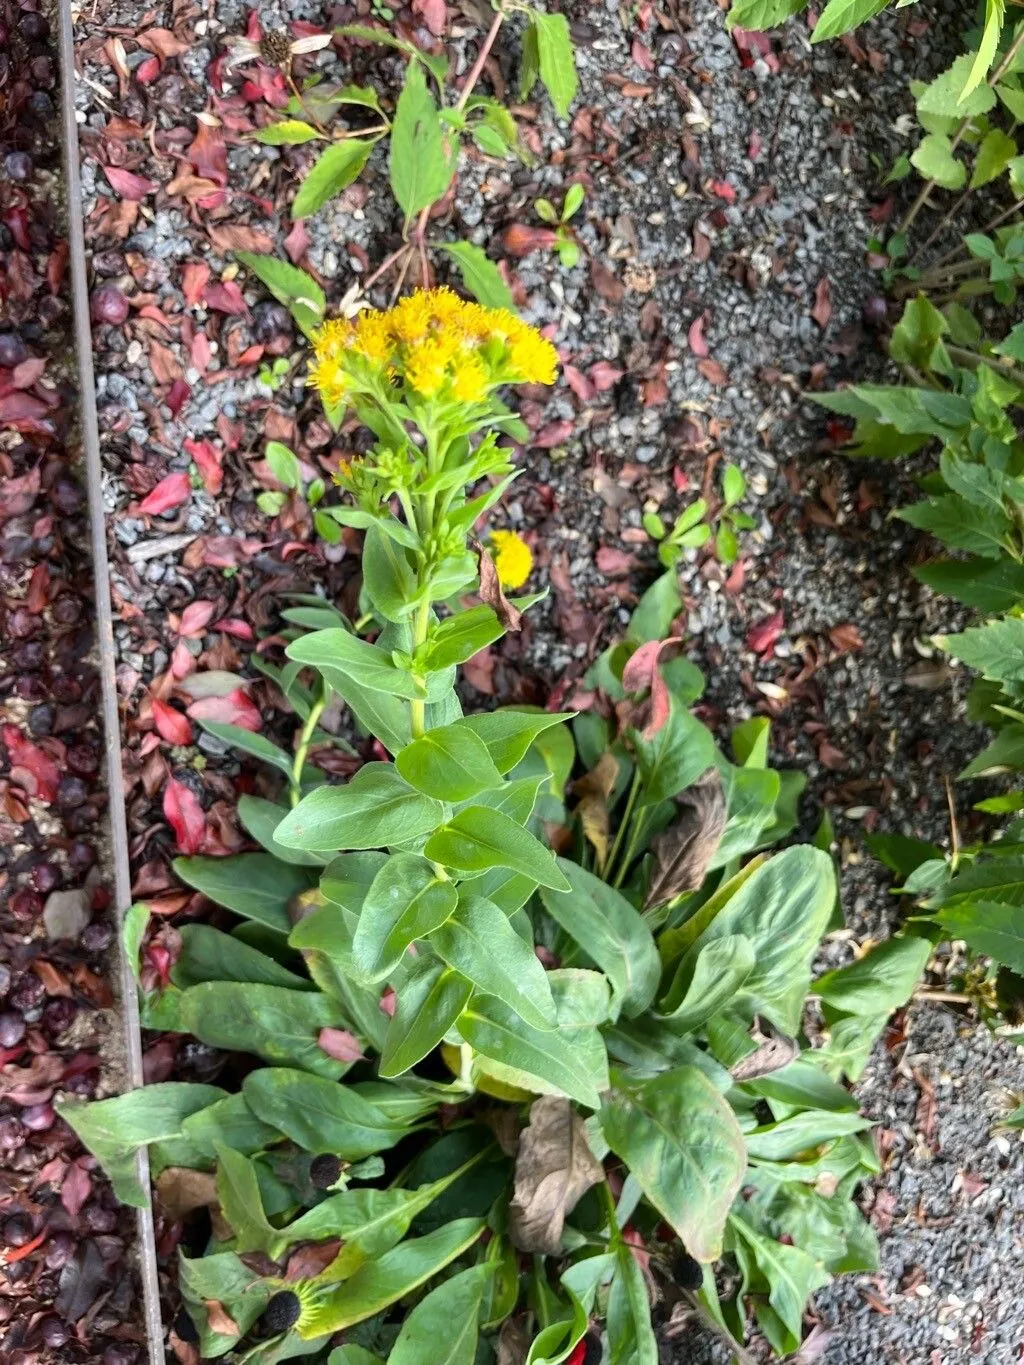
<point>624,823</point>
<point>305,739</point>
<point>418,708</point>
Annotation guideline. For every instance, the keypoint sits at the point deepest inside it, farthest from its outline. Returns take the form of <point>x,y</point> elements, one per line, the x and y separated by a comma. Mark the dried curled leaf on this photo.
<point>594,790</point>
<point>490,592</point>
<point>554,1169</point>
<point>772,1054</point>
<point>685,849</point>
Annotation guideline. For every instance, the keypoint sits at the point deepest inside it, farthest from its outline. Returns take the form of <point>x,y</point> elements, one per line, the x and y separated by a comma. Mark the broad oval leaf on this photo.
<point>320,1115</point>
<point>376,807</point>
<point>450,763</point>
<point>422,151</point>
<point>429,1002</point>
<point>406,901</point>
<point>609,932</point>
<point>479,942</point>
<point>256,885</point>
<point>508,734</point>
<point>442,1328</point>
<point>502,1035</point>
<point>706,981</point>
<point>682,1144</point>
<point>479,838</point>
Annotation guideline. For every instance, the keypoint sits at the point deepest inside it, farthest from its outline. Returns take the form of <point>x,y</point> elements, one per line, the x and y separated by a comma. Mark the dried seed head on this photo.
<point>325,1170</point>
<point>282,1312</point>
<point>276,47</point>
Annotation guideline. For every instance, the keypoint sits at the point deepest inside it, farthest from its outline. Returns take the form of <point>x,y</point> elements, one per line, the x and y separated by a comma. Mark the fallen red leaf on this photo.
<point>195,618</point>
<point>234,709</point>
<point>170,492</point>
<point>695,336</point>
<point>207,458</point>
<point>129,185</point>
<point>822,310</point>
<point>185,816</point>
<point>33,761</point>
<point>171,725</point>
<point>761,638</point>
<point>340,1044</point>
<point>208,153</point>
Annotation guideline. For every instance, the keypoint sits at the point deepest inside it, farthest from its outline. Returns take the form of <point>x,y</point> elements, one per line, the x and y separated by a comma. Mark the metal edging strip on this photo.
<point>89,433</point>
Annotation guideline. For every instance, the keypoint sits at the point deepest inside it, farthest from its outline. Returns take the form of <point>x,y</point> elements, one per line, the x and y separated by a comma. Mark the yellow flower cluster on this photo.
<point>513,558</point>
<point>438,344</point>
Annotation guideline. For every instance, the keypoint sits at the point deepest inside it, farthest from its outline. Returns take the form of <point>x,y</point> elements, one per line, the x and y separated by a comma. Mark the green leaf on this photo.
<point>429,1002</point>
<point>250,743</point>
<point>451,763</point>
<point>801,1133</point>
<point>996,649</point>
<point>335,168</point>
<point>353,1355</point>
<point>879,982</point>
<point>388,577</point>
<point>368,664</point>
<point>209,955</point>
<point>995,16</point>
<point>935,160</point>
<point>380,1283</point>
<point>436,65</point>
<point>480,275</point>
<point>996,152</point>
<point>556,59</point>
<point>133,932</point>
<point>230,1122</point>
<point>762,14</point>
<point>993,587</point>
<point>790,1274</point>
<point>320,1115</point>
<point>479,942</point>
<point>283,464</point>
<point>783,909</point>
<point>672,759</point>
<point>238,1193</point>
<point>478,838</point>
<point>631,1337</point>
<point>683,1146</point>
<point>706,981</point>
<point>502,1035</point>
<point>422,159</point>
<point>405,902</point>
<point>299,292</point>
<point>275,1024</point>
<point>221,1278</point>
<point>289,132</point>
<point>115,1129</point>
<point>946,97</point>
<point>1004,754</point>
<point>261,818</point>
<point>988,927</point>
<point>509,734</point>
<point>375,807</point>
<point>442,1328</point>
<point>656,610</point>
<point>840,16</point>
<point>959,524</point>
<point>611,933</point>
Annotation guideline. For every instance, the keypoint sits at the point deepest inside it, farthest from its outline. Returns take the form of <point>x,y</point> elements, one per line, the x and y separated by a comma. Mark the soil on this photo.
<point>731,187</point>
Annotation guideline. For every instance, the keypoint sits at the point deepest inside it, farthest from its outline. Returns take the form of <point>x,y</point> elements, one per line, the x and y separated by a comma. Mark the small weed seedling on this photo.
<point>565,239</point>
<point>694,528</point>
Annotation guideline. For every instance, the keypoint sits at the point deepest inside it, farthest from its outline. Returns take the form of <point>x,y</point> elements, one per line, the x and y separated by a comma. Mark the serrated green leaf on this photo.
<point>335,169</point>
<point>422,154</point>
<point>288,132</point>
<point>480,275</point>
<point>297,290</point>
<point>556,59</point>
<point>840,16</point>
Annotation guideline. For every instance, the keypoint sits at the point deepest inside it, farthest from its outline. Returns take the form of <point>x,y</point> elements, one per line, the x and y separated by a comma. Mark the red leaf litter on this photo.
<point>185,816</point>
<point>762,637</point>
<point>234,709</point>
<point>169,493</point>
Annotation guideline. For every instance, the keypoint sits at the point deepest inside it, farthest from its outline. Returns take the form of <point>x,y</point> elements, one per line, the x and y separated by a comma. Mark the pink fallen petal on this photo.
<point>195,618</point>
<point>695,336</point>
<point>170,724</point>
<point>129,185</point>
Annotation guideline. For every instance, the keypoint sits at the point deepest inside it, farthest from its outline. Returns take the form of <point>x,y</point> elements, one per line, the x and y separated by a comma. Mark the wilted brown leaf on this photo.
<point>554,1168</point>
<point>822,310</point>
<point>181,1190</point>
<point>513,1343</point>
<point>594,789</point>
<point>491,593</point>
<point>771,1055</point>
<point>219,1319</point>
<point>684,850</point>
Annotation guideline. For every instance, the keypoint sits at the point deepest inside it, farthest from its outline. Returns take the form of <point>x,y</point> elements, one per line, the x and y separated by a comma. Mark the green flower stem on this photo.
<point>305,739</point>
<point>972,358</point>
<point>418,708</point>
<point>620,833</point>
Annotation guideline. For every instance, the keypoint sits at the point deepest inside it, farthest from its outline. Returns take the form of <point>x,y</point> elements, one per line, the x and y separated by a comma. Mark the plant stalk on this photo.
<point>305,739</point>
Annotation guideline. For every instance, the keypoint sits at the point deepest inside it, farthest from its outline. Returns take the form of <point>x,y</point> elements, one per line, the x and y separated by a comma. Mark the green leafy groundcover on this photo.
<point>508,1153</point>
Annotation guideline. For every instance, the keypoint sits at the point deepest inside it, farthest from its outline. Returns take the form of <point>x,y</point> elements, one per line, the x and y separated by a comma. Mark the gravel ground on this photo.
<point>730,192</point>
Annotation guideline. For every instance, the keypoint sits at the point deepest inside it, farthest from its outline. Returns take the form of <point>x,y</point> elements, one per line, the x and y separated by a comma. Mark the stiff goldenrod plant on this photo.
<point>507,1096</point>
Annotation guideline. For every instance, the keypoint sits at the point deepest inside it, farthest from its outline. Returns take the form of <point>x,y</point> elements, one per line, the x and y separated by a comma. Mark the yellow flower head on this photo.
<point>513,558</point>
<point>439,343</point>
